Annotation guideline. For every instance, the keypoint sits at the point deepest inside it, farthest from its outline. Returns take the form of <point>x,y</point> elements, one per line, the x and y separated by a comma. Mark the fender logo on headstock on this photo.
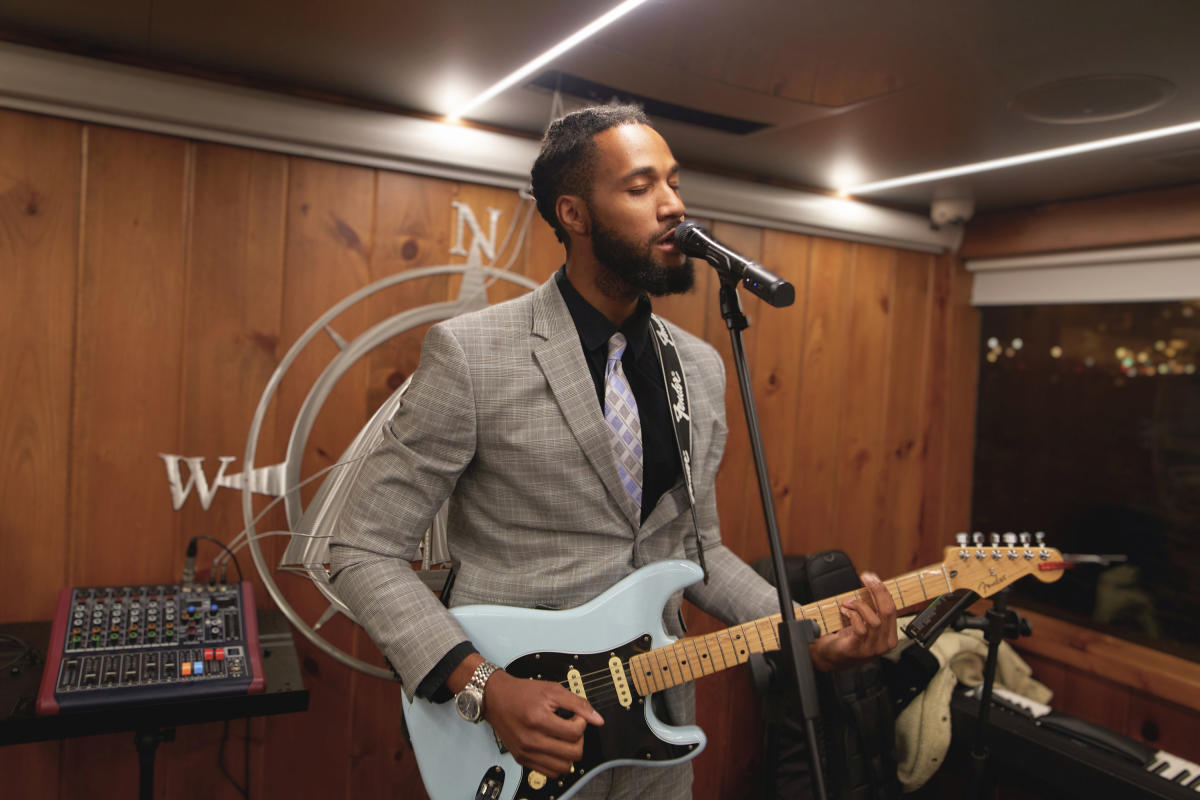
<point>993,580</point>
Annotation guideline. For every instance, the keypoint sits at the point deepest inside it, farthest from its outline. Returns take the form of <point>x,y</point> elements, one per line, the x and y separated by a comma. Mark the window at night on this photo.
<point>1089,430</point>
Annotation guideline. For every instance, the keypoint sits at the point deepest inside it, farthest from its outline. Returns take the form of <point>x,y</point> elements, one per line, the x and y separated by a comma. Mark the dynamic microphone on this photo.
<point>695,240</point>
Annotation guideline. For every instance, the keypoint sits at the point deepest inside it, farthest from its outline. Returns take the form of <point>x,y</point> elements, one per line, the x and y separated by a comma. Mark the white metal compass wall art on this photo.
<point>309,526</point>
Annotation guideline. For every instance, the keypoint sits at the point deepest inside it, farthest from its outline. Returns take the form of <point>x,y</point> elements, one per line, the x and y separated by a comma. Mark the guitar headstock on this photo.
<point>987,570</point>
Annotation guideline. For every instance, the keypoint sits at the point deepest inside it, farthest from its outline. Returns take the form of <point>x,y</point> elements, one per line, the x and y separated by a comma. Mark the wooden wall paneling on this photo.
<point>127,386</point>
<point>819,403</point>
<point>1119,220</point>
<point>327,251</point>
<point>899,528</point>
<point>742,528</point>
<point>414,228</point>
<point>962,335</point>
<point>778,380</point>
<point>936,445</point>
<point>39,235</point>
<point>862,452</point>
<point>128,364</point>
<point>1137,714</point>
<point>512,210</point>
<point>231,348</point>
<point>32,770</point>
<point>232,336</point>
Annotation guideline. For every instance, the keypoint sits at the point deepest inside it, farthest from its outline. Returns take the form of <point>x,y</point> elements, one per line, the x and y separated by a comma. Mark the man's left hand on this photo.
<point>868,629</point>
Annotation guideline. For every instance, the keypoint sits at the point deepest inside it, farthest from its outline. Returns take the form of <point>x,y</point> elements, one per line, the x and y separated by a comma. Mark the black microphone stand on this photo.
<point>999,623</point>
<point>794,635</point>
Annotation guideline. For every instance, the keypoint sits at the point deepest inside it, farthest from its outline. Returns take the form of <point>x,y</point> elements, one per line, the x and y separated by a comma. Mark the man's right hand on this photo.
<point>523,714</point>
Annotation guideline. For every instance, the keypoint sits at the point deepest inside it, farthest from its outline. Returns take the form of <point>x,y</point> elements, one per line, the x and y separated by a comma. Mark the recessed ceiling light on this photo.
<point>1024,158</point>
<point>554,52</point>
<point>1092,98</point>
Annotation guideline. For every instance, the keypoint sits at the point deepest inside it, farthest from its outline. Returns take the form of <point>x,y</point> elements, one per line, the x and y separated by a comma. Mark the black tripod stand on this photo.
<point>998,624</point>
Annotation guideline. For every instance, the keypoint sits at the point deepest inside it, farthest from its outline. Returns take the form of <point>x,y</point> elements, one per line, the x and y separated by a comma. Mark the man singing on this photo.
<point>545,421</point>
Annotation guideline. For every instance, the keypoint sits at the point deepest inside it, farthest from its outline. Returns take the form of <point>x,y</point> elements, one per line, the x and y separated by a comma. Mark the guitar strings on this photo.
<point>599,683</point>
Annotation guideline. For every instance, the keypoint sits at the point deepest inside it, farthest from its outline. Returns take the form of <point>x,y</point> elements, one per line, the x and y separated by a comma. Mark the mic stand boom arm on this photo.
<point>794,635</point>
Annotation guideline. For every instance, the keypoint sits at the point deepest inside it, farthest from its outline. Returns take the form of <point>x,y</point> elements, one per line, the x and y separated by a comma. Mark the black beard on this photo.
<point>634,265</point>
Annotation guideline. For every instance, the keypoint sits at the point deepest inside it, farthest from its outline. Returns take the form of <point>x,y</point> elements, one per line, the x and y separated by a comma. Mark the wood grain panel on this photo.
<point>512,209</point>
<point>413,229</point>
<point>231,347</point>
<point>1133,218</point>
<point>862,446</point>
<point>936,437</point>
<point>330,212</point>
<point>818,403</point>
<point>777,384</point>
<point>742,528</point>
<point>39,236</point>
<point>126,408</point>
<point>962,337</point>
<point>233,307</point>
<point>904,446</point>
<point>1152,671</point>
<point>130,330</point>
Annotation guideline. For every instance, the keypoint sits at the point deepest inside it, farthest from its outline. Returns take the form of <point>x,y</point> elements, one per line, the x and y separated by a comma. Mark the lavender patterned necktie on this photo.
<point>621,414</point>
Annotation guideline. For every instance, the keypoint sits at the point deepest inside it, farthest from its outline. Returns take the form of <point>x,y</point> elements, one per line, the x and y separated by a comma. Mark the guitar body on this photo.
<point>461,761</point>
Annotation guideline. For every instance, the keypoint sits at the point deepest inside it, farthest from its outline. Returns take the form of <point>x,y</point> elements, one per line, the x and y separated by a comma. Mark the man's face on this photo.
<point>634,207</point>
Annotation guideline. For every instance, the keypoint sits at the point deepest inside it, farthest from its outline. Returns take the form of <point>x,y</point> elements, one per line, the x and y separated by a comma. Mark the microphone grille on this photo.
<point>689,236</point>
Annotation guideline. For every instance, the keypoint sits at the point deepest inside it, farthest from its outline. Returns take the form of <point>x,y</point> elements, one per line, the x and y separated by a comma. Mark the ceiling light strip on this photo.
<point>1026,158</point>
<point>554,52</point>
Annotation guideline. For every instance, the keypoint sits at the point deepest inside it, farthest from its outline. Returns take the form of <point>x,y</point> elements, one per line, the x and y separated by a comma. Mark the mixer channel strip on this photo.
<point>117,645</point>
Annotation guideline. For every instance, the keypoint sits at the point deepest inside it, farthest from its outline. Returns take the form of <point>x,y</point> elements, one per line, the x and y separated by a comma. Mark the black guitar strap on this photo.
<point>681,416</point>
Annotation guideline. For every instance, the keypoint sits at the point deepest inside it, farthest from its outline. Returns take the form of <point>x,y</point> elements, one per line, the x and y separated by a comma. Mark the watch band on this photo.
<point>479,677</point>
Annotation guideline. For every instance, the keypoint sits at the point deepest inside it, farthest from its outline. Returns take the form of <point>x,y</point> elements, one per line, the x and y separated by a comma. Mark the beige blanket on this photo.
<point>923,728</point>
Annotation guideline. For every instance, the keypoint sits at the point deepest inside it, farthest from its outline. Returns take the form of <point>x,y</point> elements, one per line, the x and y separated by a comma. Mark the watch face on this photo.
<point>467,703</point>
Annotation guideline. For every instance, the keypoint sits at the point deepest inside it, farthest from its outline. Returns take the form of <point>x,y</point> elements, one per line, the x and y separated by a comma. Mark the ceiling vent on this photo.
<point>593,92</point>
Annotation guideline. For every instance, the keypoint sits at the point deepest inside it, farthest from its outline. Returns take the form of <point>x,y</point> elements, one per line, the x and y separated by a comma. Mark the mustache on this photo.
<point>667,231</point>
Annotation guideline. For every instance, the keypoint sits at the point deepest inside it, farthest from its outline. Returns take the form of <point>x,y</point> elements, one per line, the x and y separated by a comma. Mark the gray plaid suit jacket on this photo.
<point>502,417</point>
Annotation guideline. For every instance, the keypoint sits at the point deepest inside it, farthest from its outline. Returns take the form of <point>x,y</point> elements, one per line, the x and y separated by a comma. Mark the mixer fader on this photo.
<point>127,644</point>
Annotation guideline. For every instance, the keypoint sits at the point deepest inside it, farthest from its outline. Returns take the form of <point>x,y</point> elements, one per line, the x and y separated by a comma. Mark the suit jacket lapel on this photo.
<point>558,352</point>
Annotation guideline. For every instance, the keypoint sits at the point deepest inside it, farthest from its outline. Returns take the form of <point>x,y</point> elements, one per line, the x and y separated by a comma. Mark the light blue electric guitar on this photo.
<point>614,651</point>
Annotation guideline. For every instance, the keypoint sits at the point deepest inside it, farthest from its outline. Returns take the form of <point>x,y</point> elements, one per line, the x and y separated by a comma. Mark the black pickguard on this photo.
<point>624,735</point>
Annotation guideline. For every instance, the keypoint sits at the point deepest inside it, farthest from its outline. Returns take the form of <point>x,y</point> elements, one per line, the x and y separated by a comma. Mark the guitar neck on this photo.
<point>696,656</point>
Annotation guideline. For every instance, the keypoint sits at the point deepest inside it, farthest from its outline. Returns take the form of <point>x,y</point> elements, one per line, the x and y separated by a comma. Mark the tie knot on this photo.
<point>616,347</point>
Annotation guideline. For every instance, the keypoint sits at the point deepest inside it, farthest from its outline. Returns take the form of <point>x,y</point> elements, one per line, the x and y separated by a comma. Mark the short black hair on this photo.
<point>568,154</point>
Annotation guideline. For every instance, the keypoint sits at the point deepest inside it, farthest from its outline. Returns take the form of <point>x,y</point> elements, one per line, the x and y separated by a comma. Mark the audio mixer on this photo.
<point>129,644</point>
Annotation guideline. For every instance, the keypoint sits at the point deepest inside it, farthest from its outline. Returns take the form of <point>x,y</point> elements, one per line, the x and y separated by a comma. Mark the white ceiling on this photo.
<point>857,90</point>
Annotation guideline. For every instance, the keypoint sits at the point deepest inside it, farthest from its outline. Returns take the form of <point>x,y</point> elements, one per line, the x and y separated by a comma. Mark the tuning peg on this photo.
<point>1025,538</point>
<point>961,538</point>
<point>978,538</point>
<point>1041,538</point>
<point>1010,539</point>
<point>995,539</point>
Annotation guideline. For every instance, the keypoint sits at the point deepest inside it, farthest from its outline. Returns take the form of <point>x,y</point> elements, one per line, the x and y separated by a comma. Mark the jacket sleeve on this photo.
<point>734,592</point>
<point>426,446</point>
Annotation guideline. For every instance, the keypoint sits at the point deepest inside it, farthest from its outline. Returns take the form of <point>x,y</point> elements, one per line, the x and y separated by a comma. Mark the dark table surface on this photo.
<point>19,683</point>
